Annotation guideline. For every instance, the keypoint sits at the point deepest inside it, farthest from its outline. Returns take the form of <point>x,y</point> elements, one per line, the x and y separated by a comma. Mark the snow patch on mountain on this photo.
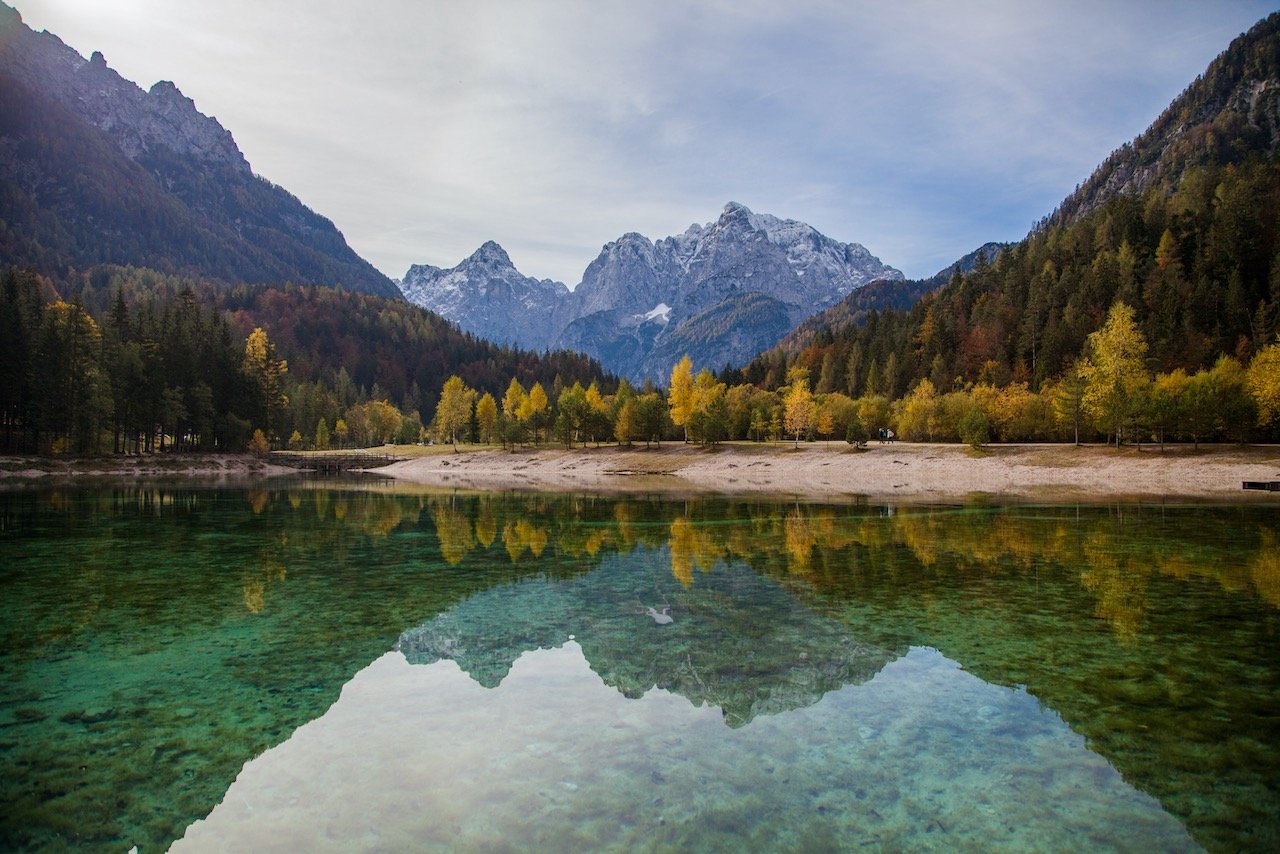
<point>661,311</point>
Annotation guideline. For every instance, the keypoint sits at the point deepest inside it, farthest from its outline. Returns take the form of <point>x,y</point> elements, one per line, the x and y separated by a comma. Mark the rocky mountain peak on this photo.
<point>632,240</point>
<point>486,295</point>
<point>736,222</point>
<point>167,90</point>
<point>490,254</point>
<point>703,281</point>
<point>640,301</point>
<point>138,122</point>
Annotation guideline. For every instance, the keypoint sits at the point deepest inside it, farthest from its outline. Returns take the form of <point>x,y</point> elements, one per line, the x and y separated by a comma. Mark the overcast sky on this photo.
<point>423,128</point>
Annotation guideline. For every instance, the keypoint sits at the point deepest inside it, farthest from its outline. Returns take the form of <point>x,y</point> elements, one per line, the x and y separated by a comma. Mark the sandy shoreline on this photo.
<point>906,472</point>
<point>918,472</point>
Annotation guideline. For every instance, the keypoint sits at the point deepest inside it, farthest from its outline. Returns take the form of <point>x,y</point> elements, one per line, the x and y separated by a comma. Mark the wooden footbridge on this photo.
<point>333,463</point>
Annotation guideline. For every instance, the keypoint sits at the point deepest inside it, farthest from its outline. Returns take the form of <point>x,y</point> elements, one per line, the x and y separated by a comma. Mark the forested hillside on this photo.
<point>1199,267</point>
<point>1229,113</point>
<point>123,359</point>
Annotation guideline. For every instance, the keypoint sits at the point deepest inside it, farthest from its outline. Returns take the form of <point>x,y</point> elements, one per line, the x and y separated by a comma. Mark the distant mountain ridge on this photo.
<point>720,292</point>
<point>97,171</point>
<point>486,295</point>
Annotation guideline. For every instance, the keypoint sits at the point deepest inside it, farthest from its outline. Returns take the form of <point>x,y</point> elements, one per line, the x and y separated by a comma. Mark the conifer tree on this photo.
<point>266,373</point>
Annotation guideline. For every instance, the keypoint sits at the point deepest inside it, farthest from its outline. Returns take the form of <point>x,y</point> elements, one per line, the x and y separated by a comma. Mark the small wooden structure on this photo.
<point>333,463</point>
<point>1264,485</point>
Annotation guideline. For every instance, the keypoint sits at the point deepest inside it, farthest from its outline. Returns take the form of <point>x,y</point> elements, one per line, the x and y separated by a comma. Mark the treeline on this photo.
<point>572,415</point>
<point>1108,393</point>
<point>130,360</point>
<point>126,380</point>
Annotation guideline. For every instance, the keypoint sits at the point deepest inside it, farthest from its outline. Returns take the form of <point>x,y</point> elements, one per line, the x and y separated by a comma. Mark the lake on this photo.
<point>367,666</point>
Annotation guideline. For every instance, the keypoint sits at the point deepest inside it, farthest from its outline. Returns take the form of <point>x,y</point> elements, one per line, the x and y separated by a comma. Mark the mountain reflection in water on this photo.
<point>736,640</point>
<point>156,641</point>
<point>414,757</point>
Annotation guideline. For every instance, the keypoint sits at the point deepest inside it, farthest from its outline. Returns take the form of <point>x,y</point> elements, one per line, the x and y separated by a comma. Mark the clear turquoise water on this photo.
<point>361,669</point>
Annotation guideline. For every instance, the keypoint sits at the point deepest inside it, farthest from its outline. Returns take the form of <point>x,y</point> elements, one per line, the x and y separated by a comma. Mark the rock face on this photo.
<point>139,122</point>
<point>96,170</point>
<point>720,292</point>
<point>486,295</point>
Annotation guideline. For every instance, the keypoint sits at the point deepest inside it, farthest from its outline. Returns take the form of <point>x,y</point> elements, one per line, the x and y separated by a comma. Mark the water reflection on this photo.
<point>1115,549</point>
<point>922,755</point>
<point>156,640</point>
<point>736,640</point>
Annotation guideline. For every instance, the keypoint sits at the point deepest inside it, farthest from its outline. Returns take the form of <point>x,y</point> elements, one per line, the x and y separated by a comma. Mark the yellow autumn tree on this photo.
<point>916,412</point>
<point>798,406</point>
<point>453,413</point>
<point>513,402</point>
<point>533,410</point>
<point>1264,382</point>
<point>1115,371</point>
<point>624,427</point>
<point>680,394</point>
<point>487,418</point>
